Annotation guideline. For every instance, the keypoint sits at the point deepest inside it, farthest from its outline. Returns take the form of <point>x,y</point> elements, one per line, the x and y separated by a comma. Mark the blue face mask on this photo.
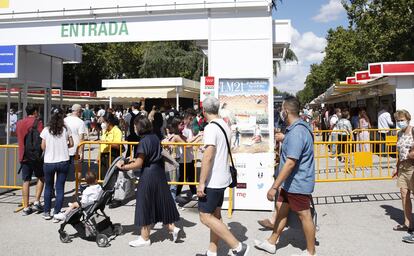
<point>402,124</point>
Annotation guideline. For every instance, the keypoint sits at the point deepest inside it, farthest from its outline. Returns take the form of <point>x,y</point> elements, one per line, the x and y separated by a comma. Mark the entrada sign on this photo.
<point>89,29</point>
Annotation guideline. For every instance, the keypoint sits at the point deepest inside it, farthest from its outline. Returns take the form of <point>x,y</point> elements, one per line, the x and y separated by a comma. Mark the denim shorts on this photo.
<point>212,200</point>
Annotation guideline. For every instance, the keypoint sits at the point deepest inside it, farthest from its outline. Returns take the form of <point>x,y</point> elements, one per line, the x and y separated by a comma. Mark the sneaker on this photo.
<point>408,239</point>
<point>37,207</point>
<point>140,242</point>
<point>58,217</point>
<point>175,234</point>
<point>47,216</point>
<point>244,250</point>
<point>265,246</point>
<point>304,253</point>
<point>27,211</point>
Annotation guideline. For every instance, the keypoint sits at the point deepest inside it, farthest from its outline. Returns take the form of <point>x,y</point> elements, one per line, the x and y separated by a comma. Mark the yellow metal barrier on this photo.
<point>367,154</point>
<point>5,182</point>
<point>104,160</point>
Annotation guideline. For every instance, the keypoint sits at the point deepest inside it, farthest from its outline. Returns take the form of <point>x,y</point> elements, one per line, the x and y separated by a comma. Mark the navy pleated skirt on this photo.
<point>154,200</point>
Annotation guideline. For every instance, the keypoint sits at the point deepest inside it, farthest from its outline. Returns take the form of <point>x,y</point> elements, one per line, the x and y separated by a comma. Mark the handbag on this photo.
<point>233,170</point>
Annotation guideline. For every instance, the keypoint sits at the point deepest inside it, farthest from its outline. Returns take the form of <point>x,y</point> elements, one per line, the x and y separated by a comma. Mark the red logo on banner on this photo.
<point>209,80</point>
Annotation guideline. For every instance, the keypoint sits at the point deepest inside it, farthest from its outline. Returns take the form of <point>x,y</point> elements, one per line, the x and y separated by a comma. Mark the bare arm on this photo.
<point>133,165</point>
<point>43,146</point>
<point>206,166</point>
<point>284,173</point>
<point>70,142</point>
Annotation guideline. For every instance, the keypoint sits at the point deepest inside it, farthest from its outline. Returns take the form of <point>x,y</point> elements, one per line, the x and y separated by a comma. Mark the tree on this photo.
<point>133,60</point>
<point>290,56</point>
<point>379,31</point>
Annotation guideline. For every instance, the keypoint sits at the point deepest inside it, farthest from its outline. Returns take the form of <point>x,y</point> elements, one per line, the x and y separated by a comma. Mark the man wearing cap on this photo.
<point>78,129</point>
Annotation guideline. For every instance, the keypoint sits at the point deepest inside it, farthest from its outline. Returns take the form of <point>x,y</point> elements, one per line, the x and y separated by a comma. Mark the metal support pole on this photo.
<point>110,101</point>
<point>8,114</point>
<point>177,100</point>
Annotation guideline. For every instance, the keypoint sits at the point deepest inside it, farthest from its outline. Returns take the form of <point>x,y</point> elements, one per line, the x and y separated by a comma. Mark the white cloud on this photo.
<point>309,49</point>
<point>330,11</point>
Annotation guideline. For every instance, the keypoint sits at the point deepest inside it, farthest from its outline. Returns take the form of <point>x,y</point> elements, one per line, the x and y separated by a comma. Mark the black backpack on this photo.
<point>32,145</point>
<point>132,135</point>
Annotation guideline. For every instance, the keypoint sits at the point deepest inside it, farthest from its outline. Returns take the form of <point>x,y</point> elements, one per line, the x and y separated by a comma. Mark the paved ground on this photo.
<point>357,221</point>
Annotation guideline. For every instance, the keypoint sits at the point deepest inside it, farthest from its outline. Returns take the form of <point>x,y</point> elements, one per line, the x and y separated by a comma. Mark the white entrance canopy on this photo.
<point>241,40</point>
<point>118,90</point>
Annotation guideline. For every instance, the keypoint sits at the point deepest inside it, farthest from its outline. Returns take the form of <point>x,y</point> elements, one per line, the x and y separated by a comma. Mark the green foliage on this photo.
<point>379,30</point>
<point>133,60</point>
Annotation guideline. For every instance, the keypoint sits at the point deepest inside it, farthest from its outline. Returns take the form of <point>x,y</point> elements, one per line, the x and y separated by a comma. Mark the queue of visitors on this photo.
<point>294,179</point>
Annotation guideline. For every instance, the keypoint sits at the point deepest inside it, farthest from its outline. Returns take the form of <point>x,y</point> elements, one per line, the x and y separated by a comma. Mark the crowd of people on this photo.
<point>48,152</point>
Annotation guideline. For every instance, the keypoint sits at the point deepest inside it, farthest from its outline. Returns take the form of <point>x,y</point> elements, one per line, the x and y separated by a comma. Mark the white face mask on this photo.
<point>402,124</point>
<point>104,126</point>
<point>283,115</point>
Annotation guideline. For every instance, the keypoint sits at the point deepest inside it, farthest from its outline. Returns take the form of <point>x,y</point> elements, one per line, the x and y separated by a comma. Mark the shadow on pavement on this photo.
<point>395,214</point>
<point>161,234</point>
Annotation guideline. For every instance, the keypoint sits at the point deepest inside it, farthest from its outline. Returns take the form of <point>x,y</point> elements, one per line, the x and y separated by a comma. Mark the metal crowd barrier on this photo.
<point>365,154</point>
<point>9,156</point>
<point>88,149</point>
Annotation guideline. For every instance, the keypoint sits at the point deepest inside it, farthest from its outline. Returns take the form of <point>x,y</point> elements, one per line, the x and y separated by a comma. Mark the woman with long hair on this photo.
<point>56,141</point>
<point>154,202</point>
<point>363,134</point>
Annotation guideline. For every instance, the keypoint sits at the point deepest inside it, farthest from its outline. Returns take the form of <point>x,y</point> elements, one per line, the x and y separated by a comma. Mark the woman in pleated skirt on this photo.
<point>154,202</point>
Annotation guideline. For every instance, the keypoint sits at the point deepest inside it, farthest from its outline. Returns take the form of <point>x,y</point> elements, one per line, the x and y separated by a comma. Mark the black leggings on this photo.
<point>190,175</point>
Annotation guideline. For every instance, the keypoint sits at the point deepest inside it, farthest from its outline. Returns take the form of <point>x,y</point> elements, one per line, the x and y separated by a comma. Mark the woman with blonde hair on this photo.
<point>405,168</point>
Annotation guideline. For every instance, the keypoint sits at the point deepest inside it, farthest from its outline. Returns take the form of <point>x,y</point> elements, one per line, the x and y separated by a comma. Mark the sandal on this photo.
<point>400,227</point>
<point>266,224</point>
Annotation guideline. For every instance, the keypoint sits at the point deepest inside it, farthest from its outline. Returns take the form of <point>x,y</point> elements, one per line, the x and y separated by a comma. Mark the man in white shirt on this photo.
<point>215,177</point>
<point>78,129</point>
<point>332,126</point>
<point>384,124</point>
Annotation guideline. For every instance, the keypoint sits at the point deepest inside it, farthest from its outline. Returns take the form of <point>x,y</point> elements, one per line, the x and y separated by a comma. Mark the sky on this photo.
<point>311,19</point>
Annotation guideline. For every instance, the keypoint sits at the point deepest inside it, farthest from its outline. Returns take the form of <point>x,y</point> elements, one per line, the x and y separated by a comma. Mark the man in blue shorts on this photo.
<point>215,177</point>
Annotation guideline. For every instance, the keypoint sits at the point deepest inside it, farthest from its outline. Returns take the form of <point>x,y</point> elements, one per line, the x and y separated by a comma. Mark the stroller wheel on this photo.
<point>64,237</point>
<point>117,228</point>
<point>101,240</point>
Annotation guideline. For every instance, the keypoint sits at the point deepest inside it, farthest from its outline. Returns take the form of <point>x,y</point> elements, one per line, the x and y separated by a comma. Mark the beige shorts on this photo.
<point>405,176</point>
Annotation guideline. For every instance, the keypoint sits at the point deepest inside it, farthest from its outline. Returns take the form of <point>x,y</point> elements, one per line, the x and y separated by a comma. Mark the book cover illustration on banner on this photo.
<point>244,107</point>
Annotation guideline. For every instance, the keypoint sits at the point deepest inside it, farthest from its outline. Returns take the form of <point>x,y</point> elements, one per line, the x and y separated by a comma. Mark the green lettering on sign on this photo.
<point>64,30</point>
<point>92,29</point>
<point>124,28</point>
<point>102,30</point>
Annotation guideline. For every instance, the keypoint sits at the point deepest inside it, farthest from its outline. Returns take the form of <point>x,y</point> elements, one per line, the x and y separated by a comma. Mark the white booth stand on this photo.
<point>241,38</point>
<point>130,90</point>
<point>394,79</point>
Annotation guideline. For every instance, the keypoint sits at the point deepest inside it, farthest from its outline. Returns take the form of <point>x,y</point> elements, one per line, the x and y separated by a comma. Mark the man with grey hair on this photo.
<point>215,177</point>
<point>78,129</point>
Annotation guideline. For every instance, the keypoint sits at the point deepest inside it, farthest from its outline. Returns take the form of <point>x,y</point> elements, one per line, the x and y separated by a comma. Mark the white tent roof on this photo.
<point>150,88</point>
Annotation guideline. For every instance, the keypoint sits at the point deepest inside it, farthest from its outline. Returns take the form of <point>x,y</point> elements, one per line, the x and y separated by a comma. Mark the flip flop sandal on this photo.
<point>400,227</point>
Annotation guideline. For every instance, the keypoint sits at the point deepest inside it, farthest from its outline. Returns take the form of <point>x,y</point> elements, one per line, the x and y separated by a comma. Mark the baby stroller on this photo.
<point>88,222</point>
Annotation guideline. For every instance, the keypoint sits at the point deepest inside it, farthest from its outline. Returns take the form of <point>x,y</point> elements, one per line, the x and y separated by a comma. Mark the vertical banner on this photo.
<point>208,87</point>
<point>244,106</point>
<point>8,61</point>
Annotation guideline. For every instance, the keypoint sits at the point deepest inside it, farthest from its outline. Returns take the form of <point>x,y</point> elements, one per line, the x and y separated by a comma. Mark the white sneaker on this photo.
<point>265,246</point>
<point>175,233</point>
<point>140,242</point>
<point>59,217</point>
<point>304,253</point>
